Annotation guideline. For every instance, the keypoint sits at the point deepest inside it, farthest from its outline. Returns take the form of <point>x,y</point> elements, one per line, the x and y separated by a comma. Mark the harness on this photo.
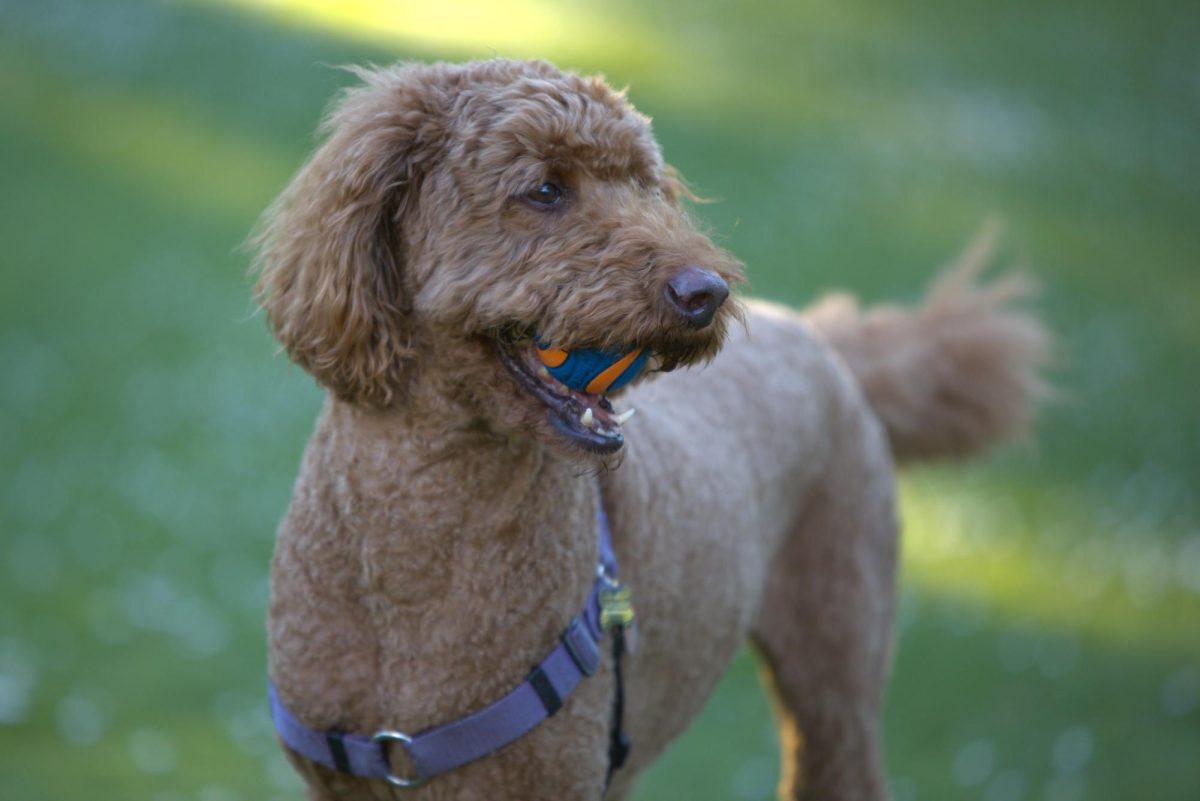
<point>443,748</point>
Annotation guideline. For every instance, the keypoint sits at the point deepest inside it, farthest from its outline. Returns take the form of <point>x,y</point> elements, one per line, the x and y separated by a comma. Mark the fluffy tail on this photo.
<point>956,374</point>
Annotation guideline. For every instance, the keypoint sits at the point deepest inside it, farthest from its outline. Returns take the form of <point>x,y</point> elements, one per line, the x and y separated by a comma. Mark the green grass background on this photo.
<point>1049,637</point>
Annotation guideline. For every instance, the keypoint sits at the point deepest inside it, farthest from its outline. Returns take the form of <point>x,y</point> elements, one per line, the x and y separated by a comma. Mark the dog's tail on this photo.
<point>954,375</point>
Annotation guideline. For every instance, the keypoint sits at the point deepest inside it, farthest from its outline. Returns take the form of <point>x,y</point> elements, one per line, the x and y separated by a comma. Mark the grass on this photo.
<point>1051,598</point>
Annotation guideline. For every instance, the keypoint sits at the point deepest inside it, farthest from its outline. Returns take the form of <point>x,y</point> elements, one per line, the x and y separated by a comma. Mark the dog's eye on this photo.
<point>546,195</point>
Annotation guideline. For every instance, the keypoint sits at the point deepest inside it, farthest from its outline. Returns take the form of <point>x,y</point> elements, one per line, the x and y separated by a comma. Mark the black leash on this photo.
<point>618,741</point>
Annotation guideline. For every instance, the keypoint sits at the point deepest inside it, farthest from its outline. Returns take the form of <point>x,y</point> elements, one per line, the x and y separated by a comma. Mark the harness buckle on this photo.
<point>383,737</point>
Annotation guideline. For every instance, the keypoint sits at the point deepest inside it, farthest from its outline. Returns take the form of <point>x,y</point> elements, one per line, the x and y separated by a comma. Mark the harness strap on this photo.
<point>444,748</point>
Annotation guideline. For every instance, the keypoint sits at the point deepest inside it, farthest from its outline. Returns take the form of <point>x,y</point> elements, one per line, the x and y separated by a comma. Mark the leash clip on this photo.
<point>616,606</point>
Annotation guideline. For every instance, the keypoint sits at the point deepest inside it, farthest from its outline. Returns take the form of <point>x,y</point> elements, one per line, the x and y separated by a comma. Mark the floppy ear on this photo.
<point>329,253</point>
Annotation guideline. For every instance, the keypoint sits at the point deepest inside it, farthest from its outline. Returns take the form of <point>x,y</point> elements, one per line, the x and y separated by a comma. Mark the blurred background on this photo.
<point>1049,633</point>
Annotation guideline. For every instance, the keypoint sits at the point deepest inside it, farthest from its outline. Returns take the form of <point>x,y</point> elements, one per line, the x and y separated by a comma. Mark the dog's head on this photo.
<point>455,215</point>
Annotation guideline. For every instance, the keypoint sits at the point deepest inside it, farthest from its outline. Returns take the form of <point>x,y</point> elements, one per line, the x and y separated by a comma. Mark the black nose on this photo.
<point>696,294</point>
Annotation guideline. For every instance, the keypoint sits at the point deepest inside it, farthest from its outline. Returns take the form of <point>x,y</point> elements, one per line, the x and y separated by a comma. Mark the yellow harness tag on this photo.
<point>616,607</point>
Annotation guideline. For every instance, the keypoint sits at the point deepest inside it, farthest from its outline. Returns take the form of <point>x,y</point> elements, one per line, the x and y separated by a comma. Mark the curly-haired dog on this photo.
<point>443,532</point>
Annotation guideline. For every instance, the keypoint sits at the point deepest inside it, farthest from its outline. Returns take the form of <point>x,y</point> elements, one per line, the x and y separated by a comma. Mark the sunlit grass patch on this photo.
<point>1050,557</point>
<point>523,28</point>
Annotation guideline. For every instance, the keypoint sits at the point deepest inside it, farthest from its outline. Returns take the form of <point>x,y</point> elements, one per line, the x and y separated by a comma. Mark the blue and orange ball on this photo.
<point>593,371</point>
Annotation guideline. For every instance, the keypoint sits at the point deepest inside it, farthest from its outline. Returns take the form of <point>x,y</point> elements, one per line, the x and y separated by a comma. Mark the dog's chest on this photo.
<point>399,619</point>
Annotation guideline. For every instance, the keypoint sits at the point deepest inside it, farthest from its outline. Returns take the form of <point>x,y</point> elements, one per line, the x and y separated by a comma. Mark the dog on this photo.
<point>445,527</point>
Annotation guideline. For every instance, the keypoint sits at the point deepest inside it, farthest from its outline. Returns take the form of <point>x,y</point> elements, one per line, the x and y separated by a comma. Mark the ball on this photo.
<point>591,370</point>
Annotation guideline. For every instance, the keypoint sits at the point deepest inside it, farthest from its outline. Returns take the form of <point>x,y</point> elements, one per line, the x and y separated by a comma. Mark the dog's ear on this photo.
<point>329,252</point>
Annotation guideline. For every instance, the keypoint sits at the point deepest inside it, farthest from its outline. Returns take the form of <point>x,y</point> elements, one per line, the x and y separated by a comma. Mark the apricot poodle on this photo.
<point>448,608</point>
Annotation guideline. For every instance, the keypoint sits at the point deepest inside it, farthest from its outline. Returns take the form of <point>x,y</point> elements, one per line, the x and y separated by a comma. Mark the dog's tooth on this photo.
<point>620,419</point>
<point>543,372</point>
<point>587,418</point>
<point>653,363</point>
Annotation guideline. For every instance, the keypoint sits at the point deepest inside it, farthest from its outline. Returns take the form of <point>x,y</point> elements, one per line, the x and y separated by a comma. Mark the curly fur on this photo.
<point>441,531</point>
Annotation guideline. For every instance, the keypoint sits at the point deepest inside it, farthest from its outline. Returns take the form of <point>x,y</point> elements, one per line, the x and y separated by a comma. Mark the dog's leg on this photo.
<point>825,625</point>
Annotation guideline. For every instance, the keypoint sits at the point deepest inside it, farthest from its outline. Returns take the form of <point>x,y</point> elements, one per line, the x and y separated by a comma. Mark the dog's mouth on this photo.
<point>587,419</point>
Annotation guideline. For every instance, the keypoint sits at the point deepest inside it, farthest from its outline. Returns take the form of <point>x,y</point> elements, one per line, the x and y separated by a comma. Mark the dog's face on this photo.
<point>457,214</point>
